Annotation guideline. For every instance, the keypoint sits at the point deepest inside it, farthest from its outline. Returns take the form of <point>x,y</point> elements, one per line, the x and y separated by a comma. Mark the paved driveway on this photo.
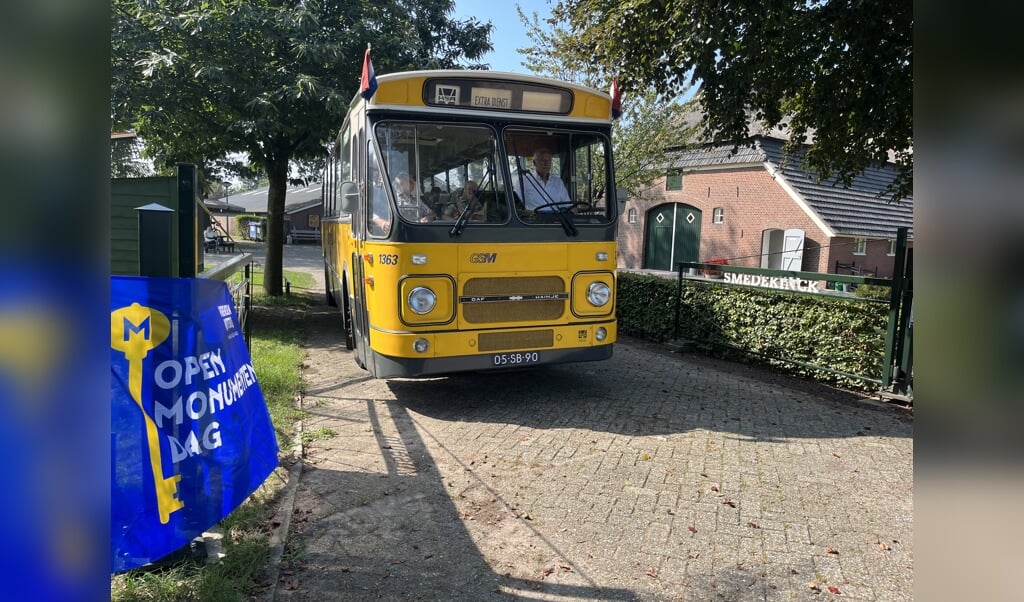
<point>305,257</point>
<point>649,476</point>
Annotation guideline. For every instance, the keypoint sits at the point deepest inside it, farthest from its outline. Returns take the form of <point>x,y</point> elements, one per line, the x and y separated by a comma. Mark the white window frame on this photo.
<point>860,246</point>
<point>718,215</point>
<point>631,216</point>
<point>892,248</point>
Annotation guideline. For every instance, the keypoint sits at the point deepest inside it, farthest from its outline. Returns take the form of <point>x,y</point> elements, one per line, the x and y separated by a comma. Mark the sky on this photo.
<point>509,32</point>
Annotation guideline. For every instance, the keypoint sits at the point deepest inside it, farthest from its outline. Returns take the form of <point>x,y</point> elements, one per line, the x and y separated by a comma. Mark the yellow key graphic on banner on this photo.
<point>134,330</point>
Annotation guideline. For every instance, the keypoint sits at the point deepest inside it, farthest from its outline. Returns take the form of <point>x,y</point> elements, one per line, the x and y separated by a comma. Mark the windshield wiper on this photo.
<point>567,225</point>
<point>471,206</point>
<point>460,223</point>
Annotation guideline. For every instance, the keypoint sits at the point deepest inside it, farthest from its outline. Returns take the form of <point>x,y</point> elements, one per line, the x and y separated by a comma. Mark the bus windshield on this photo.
<point>447,173</point>
<point>438,171</point>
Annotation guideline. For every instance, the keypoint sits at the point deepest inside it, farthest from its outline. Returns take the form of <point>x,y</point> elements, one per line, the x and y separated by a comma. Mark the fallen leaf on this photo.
<point>567,569</point>
<point>814,586</point>
<point>836,455</point>
<point>546,571</point>
<point>729,503</point>
<point>714,488</point>
<point>692,529</point>
<point>753,525</point>
<point>834,590</point>
<point>832,551</point>
<point>883,545</point>
<point>652,572</point>
<point>645,456</point>
<point>670,511</point>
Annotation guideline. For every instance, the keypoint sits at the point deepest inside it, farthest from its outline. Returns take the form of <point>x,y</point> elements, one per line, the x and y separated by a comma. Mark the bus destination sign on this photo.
<point>491,98</point>
<point>497,95</point>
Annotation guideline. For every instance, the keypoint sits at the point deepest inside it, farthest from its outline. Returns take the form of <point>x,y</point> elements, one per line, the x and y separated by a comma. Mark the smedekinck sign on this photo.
<point>775,282</point>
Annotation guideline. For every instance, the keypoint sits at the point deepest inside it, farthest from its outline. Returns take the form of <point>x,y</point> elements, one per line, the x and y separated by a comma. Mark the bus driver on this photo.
<point>539,188</point>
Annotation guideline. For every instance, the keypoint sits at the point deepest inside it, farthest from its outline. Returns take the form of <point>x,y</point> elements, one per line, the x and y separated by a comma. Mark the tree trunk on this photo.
<point>277,173</point>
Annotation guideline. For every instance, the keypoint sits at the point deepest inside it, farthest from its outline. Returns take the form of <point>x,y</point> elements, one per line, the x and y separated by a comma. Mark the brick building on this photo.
<point>759,208</point>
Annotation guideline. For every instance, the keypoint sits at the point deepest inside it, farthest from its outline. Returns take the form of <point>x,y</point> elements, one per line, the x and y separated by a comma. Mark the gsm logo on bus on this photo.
<point>483,258</point>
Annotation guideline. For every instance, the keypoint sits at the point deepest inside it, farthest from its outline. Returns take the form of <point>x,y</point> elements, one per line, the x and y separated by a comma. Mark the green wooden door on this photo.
<point>658,238</point>
<point>672,235</point>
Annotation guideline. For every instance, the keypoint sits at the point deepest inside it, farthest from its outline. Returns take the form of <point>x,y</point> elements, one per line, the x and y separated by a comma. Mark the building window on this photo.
<point>674,181</point>
<point>718,215</point>
<point>860,246</point>
<point>632,216</point>
<point>892,247</point>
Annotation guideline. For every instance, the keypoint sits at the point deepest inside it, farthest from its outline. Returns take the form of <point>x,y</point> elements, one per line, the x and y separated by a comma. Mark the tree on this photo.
<point>269,78</point>
<point>649,123</point>
<point>837,72</point>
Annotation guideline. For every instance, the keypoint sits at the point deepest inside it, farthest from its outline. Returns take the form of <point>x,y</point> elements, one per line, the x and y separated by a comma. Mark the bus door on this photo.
<point>363,217</point>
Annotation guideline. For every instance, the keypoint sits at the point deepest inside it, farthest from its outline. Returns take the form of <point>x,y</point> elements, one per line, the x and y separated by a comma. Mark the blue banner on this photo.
<point>191,436</point>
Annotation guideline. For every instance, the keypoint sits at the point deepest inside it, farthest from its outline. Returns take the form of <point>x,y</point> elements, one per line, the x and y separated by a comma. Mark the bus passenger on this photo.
<point>409,205</point>
<point>468,195</point>
<point>539,188</point>
<point>434,200</point>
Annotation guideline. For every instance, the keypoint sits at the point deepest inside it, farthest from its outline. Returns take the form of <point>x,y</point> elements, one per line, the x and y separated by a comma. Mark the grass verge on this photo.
<point>277,357</point>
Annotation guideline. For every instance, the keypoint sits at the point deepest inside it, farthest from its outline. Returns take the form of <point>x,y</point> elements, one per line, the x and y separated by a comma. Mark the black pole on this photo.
<point>679,297</point>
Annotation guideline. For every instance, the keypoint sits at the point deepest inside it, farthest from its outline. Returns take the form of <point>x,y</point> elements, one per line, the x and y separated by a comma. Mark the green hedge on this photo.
<point>243,220</point>
<point>847,335</point>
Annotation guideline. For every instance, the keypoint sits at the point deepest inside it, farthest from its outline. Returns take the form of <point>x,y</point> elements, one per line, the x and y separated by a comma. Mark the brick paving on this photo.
<point>650,476</point>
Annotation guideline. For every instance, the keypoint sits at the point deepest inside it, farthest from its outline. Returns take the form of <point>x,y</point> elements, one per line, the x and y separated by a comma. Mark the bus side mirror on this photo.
<point>621,196</point>
<point>349,197</point>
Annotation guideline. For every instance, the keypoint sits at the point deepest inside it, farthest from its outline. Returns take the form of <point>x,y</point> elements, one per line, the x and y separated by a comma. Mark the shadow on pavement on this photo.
<point>628,395</point>
<point>374,517</point>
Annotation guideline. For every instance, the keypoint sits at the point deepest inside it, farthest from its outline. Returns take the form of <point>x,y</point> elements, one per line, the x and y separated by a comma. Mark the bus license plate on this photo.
<point>516,359</point>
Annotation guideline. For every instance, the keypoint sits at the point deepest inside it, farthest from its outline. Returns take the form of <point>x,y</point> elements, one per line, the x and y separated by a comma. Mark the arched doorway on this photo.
<point>672,234</point>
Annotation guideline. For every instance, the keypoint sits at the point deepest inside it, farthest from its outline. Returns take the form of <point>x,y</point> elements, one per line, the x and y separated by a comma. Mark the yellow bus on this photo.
<point>469,224</point>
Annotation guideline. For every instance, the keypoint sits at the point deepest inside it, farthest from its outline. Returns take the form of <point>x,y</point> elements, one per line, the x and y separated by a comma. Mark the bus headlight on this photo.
<point>422,300</point>
<point>600,334</point>
<point>598,294</point>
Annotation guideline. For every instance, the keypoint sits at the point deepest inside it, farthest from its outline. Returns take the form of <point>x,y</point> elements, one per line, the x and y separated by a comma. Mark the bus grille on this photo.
<point>530,339</point>
<point>513,311</point>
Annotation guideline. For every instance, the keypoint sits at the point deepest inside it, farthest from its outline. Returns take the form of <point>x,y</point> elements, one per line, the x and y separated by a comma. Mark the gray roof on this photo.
<point>709,156</point>
<point>222,206</point>
<point>290,208</point>
<point>255,201</point>
<point>861,210</point>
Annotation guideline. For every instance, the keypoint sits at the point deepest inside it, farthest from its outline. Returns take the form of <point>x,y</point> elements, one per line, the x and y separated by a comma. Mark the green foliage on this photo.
<point>276,359</point>
<point>649,124</point>
<point>271,79</point>
<point>843,335</point>
<point>840,72</point>
<point>873,291</point>
<point>243,220</point>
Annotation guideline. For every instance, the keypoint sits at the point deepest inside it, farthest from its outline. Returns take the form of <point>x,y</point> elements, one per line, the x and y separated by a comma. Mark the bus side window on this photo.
<point>378,215</point>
